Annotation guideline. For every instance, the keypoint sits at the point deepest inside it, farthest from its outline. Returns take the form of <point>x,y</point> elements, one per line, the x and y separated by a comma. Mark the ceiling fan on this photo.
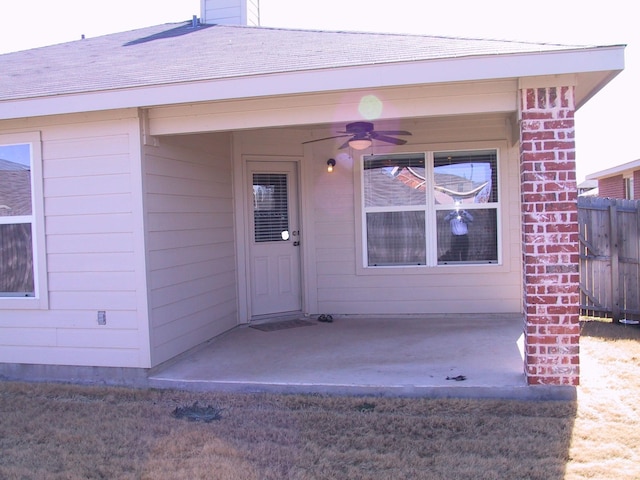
<point>362,135</point>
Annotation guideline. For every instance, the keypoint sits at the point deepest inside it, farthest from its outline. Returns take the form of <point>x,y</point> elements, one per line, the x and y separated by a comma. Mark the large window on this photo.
<point>18,212</point>
<point>431,209</point>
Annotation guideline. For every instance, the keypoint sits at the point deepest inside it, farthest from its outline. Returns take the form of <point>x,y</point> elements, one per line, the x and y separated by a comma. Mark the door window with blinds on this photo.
<point>428,209</point>
<point>270,207</point>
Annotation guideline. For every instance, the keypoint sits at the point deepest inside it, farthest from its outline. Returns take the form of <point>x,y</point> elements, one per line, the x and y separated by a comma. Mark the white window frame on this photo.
<point>40,300</point>
<point>432,266</point>
<point>628,187</point>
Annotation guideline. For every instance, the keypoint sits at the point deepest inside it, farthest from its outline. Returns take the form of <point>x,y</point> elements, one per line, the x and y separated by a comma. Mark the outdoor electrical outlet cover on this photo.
<point>102,317</point>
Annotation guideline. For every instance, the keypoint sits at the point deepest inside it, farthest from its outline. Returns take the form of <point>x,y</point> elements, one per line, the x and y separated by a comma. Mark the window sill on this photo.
<point>23,303</point>
<point>469,269</point>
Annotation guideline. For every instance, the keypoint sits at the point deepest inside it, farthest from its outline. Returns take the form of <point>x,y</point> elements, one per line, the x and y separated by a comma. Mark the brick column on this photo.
<point>549,236</point>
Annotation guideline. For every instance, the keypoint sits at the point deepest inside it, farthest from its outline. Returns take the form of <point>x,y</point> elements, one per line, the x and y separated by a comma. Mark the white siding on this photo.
<point>191,253</point>
<point>169,276</point>
<point>90,168</point>
<point>231,12</point>
<point>343,287</point>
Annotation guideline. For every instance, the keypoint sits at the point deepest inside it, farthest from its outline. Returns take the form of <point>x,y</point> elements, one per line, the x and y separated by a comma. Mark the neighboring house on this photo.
<point>179,190</point>
<point>622,181</point>
<point>588,188</point>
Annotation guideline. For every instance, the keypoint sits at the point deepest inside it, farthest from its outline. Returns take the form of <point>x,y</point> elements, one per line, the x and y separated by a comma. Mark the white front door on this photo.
<point>274,238</point>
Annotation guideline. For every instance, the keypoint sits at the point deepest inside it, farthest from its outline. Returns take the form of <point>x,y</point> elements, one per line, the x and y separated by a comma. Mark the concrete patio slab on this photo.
<point>407,356</point>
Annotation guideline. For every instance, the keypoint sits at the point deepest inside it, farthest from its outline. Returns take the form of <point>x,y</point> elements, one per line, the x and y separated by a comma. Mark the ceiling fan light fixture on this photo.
<point>360,143</point>
<point>362,134</point>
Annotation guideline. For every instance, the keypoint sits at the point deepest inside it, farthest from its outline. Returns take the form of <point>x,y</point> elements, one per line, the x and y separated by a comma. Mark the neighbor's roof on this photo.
<point>617,170</point>
<point>180,53</point>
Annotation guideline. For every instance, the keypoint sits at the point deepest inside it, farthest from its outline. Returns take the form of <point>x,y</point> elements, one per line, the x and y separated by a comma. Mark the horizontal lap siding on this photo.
<point>425,298</point>
<point>191,253</point>
<point>340,289</point>
<point>91,252</point>
<point>103,356</point>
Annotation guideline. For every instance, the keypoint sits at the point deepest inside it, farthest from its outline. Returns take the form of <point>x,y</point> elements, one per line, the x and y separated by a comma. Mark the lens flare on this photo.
<point>370,107</point>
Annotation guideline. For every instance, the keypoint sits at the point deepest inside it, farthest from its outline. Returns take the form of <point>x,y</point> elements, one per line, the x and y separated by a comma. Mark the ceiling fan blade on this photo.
<point>344,145</point>
<point>393,132</point>
<point>384,138</point>
<point>325,138</point>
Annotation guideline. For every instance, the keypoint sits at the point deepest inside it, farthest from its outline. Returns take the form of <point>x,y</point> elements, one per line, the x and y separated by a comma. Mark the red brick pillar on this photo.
<point>550,236</point>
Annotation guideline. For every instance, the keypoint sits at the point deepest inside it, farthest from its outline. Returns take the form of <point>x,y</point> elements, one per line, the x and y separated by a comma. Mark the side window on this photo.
<point>20,209</point>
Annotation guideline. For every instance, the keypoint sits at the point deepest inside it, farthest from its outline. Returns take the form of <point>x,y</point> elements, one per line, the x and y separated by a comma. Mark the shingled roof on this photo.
<point>176,53</point>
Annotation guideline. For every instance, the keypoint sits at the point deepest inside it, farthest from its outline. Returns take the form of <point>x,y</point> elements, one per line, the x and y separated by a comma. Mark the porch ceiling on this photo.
<point>474,98</point>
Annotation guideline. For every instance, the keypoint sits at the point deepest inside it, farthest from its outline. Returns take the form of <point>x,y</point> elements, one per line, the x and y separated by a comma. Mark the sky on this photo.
<point>606,127</point>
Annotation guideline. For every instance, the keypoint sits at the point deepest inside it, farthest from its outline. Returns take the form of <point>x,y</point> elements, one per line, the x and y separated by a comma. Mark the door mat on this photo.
<point>281,325</point>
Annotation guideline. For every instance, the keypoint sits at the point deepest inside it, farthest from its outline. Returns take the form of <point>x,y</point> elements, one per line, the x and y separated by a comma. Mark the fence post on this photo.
<point>615,270</point>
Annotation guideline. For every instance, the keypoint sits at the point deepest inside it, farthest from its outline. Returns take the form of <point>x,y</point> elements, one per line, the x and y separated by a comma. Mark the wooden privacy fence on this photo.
<point>609,258</point>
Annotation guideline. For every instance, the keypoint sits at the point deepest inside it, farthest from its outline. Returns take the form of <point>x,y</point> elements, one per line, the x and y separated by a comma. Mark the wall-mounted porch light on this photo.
<point>330,164</point>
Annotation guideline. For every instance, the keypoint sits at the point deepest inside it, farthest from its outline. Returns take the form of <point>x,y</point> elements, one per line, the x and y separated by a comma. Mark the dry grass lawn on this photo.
<point>52,431</point>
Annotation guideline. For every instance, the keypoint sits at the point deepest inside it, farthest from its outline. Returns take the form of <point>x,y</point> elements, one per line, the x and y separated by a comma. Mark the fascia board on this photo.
<point>617,170</point>
<point>461,69</point>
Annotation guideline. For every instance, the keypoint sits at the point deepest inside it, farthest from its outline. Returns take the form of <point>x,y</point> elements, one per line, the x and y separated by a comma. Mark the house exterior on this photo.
<point>588,188</point>
<point>179,186</point>
<point>621,181</point>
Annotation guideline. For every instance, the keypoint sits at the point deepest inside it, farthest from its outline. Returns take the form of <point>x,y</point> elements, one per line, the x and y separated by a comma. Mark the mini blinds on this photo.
<point>431,209</point>
<point>270,207</point>
<point>466,177</point>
